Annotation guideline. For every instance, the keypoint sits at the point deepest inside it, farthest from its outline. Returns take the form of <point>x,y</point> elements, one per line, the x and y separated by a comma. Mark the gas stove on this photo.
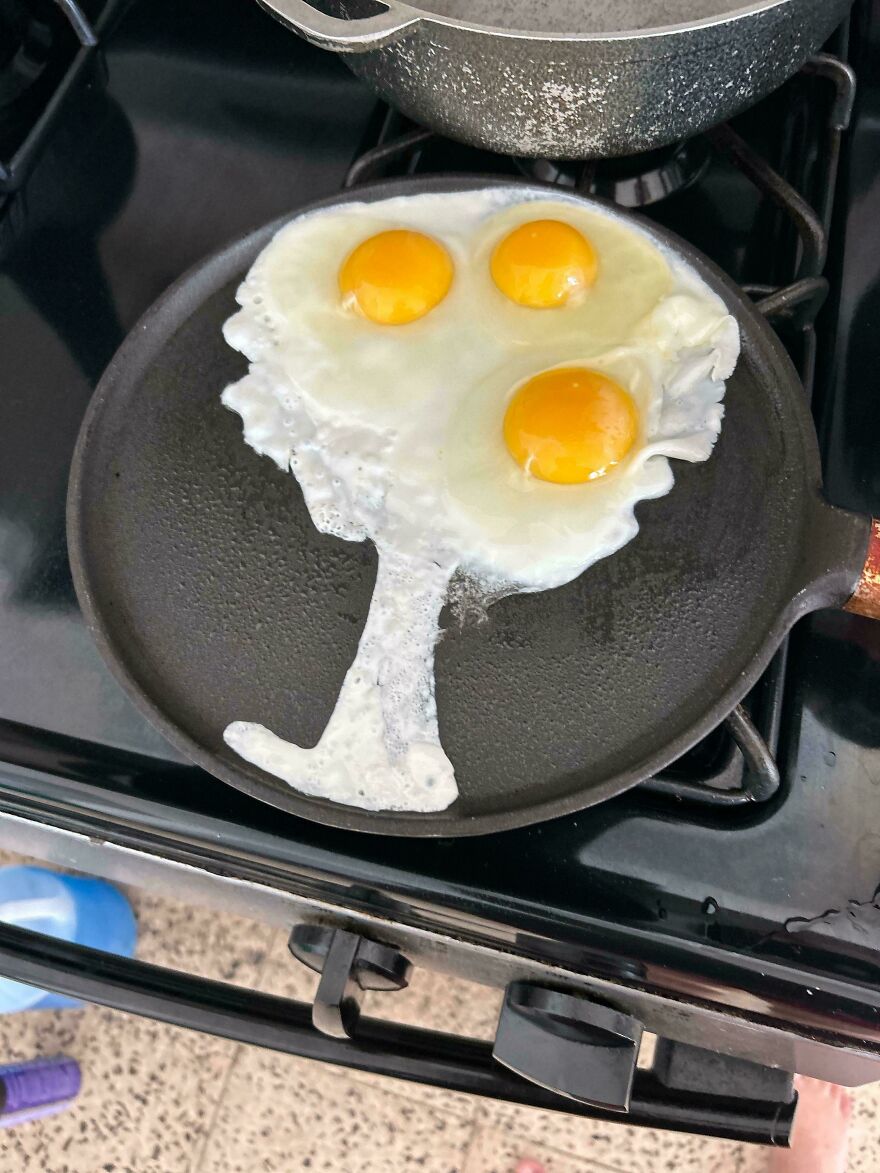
<point>732,902</point>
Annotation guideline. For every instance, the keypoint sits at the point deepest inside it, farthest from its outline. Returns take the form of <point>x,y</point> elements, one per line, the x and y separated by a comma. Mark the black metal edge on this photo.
<point>383,1048</point>
<point>809,227</point>
<point>747,972</point>
<point>233,260</point>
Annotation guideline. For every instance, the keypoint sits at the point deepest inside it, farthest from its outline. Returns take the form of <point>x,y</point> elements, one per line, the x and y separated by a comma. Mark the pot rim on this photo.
<point>733,16</point>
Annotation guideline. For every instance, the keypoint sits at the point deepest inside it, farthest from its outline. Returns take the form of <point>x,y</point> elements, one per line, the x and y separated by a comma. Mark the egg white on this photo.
<point>632,276</point>
<point>395,434</point>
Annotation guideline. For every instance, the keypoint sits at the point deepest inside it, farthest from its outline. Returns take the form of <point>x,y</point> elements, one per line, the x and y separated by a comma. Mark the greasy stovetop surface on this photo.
<point>206,129</point>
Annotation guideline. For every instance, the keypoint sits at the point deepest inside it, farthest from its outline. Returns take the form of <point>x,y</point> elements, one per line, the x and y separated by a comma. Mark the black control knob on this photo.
<point>569,1044</point>
<point>348,964</point>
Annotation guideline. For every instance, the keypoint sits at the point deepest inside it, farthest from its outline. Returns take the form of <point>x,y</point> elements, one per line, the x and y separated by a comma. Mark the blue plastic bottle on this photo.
<point>72,908</point>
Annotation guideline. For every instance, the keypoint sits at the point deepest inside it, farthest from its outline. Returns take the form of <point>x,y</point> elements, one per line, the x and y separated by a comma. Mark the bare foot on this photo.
<point>820,1130</point>
<point>527,1165</point>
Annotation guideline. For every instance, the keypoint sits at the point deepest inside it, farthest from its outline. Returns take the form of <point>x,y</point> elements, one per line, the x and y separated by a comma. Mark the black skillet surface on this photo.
<point>214,598</point>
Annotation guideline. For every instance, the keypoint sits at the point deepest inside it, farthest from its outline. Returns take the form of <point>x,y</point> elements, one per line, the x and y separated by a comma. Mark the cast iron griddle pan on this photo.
<point>213,597</point>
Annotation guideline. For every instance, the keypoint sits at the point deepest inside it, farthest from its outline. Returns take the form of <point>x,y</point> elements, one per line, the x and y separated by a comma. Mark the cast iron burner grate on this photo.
<point>735,764</point>
<point>44,46</point>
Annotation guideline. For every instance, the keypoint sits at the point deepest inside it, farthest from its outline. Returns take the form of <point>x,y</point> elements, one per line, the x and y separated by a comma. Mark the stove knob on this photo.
<point>348,965</point>
<point>569,1044</point>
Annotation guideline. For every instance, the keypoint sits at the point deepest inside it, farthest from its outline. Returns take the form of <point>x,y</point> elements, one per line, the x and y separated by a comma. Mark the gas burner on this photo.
<point>635,181</point>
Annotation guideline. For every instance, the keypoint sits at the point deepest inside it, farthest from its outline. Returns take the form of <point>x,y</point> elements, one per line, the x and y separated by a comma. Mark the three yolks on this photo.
<point>567,425</point>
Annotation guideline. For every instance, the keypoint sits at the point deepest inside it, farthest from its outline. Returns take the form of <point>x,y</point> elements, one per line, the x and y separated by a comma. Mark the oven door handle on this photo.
<point>385,1048</point>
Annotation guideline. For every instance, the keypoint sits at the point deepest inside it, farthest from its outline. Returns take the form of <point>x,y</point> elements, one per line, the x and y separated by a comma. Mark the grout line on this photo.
<point>197,1161</point>
<point>145,1118</point>
<point>469,1147</point>
<point>485,1120</point>
<point>537,1150</point>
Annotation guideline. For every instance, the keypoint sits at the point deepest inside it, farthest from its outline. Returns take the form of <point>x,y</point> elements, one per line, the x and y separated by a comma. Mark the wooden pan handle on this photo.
<point>865,598</point>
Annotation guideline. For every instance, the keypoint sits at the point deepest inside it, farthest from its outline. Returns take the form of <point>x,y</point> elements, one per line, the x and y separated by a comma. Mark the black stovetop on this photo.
<point>182,133</point>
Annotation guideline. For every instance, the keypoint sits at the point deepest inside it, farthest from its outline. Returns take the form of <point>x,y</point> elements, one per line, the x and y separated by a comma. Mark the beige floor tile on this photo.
<point>437,1002</point>
<point>621,1147</point>
<point>283,975</point>
<point>446,1004</point>
<point>199,940</point>
<point>864,1130</point>
<point>496,1152</point>
<point>38,1034</point>
<point>281,1114</point>
<point>437,1099</point>
<point>148,1096</point>
<point>149,1090</point>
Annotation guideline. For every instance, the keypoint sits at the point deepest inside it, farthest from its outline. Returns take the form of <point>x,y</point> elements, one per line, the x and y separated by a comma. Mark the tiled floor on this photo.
<point>158,1099</point>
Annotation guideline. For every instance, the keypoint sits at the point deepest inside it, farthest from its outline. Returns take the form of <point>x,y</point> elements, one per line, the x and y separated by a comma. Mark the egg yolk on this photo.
<point>396,277</point>
<point>544,264</point>
<point>570,425</point>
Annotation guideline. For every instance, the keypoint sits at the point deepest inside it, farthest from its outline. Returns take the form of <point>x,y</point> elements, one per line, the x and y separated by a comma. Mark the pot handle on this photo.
<point>865,599</point>
<point>338,33</point>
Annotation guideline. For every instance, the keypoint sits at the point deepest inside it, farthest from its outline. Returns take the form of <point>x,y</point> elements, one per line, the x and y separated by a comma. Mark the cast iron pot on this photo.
<point>568,79</point>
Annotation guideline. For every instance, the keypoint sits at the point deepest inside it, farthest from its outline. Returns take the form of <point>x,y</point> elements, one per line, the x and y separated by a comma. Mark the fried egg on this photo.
<point>482,383</point>
<point>533,256</point>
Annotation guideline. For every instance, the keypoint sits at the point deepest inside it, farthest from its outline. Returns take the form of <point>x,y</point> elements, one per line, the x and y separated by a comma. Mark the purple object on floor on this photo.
<point>39,1087</point>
